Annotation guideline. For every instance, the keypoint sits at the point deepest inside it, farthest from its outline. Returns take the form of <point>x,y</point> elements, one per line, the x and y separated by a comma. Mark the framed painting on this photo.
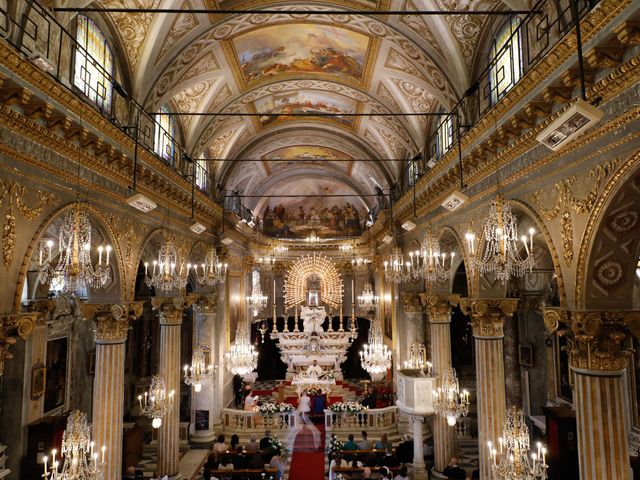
<point>388,312</point>
<point>38,380</point>
<point>525,355</point>
<point>57,367</point>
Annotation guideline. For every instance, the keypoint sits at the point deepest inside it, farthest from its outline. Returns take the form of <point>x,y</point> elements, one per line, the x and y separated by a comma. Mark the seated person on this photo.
<point>251,402</point>
<point>252,446</point>
<point>314,370</point>
<point>220,447</point>
<point>385,473</point>
<point>350,444</point>
<point>239,460</point>
<point>389,459</point>
<point>383,443</point>
<point>277,462</point>
<point>402,474</point>
<point>365,443</point>
<point>210,465</point>
<point>130,473</point>
<point>337,461</point>
<point>453,471</point>
<point>266,440</point>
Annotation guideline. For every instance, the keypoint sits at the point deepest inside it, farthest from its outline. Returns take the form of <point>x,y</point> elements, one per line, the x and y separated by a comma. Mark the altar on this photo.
<point>304,382</point>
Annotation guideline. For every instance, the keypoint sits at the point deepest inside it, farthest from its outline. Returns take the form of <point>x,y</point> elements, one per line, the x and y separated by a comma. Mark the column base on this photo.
<point>419,473</point>
<point>437,474</point>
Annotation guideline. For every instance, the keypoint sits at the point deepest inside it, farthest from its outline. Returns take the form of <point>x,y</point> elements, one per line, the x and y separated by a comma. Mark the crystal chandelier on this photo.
<point>267,261</point>
<point>394,267</point>
<point>80,460</point>
<point>367,300</point>
<point>418,358</point>
<point>500,254</point>
<point>359,262</point>
<point>212,269</point>
<point>280,250</point>
<point>156,403</point>
<point>242,357</point>
<point>512,461</point>
<point>74,270</point>
<point>312,239</point>
<point>375,356</point>
<point>448,401</point>
<point>257,301</point>
<point>167,274</point>
<point>198,374</point>
<point>431,263</point>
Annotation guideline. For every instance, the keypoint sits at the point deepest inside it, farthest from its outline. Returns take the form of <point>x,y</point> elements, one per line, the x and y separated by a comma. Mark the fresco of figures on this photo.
<point>279,107</point>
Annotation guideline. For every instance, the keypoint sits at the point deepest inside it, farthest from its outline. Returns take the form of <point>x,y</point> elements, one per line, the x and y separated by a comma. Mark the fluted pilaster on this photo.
<point>487,322</point>
<point>599,355</point>
<point>439,311</point>
<point>111,325</point>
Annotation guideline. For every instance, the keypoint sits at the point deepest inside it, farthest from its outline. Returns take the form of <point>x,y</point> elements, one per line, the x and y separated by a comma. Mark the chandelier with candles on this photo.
<point>199,373</point>
<point>257,301</point>
<point>394,267</point>
<point>74,270</point>
<point>367,300</point>
<point>433,264</point>
<point>212,270</point>
<point>448,401</point>
<point>418,358</point>
<point>375,356</point>
<point>80,462</point>
<point>242,357</point>
<point>500,254</point>
<point>512,460</point>
<point>157,402</point>
<point>169,273</point>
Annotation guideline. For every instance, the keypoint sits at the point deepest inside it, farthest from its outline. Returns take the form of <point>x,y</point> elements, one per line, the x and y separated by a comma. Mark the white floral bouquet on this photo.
<point>334,446</point>
<point>347,407</point>
<point>285,407</point>
<point>269,409</point>
<point>275,443</point>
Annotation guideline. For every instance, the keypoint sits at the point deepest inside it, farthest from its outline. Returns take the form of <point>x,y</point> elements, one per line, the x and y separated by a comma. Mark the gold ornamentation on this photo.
<point>305,268</point>
<point>111,321</point>
<point>411,302</point>
<point>488,315</point>
<point>13,192</point>
<point>439,306</point>
<point>555,319</point>
<point>171,308</point>
<point>206,303</point>
<point>20,325</point>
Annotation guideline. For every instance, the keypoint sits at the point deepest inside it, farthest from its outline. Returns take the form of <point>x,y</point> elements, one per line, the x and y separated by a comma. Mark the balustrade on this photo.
<point>371,419</point>
<point>247,421</point>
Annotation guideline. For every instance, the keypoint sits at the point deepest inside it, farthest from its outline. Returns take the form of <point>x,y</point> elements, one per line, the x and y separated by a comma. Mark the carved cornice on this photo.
<point>111,321</point>
<point>488,314</point>
<point>411,302</point>
<point>170,309</point>
<point>206,303</point>
<point>596,341</point>
<point>20,325</point>
<point>439,306</point>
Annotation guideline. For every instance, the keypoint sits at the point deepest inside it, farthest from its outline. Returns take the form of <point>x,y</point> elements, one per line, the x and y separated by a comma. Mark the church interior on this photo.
<point>321,239</point>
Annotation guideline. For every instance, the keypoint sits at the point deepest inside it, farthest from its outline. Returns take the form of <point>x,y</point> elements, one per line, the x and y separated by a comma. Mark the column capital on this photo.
<point>12,325</point>
<point>488,314</point>
<point>111,320</point>
<point>411,302</point>
<point>206,303</point>
<point>170,308</point>
<point>439,306</point>
<point>596,340</point>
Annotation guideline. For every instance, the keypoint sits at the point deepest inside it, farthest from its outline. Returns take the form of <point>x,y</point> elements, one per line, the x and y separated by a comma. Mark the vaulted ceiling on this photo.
<point>265,64</point>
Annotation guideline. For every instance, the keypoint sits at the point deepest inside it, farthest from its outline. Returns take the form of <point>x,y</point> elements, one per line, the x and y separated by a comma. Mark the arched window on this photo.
<point>413,172</point>
<point>505,59</point>
<point>444,134</point>
<point>164,135</point>
<point>201,174</point>
<point>93,67</point>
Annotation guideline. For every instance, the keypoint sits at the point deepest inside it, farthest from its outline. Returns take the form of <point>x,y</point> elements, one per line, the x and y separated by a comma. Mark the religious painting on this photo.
<point>305,152</point>
<point>57,362</point>
<point>234,295</point>
<point>38,379</point>
<point>283,106</point>
<point>301,48</point>
<point>388,314</point>
<point>525,353</point>
<point>202,420</point>
<point>564,374</point>
<point>313,206</point>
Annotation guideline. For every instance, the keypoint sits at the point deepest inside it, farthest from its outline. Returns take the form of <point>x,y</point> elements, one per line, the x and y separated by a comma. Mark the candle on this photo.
<point>146,269</point>
<point>539,445</point>
<point>100,255</point>
<point>108,252</point>
<point>501,442</point>
<point>353,290</point>
<point>50,244</point>
<point>103,449</point>
<point>140,400</point>
<point>44,459</point>
<point>91,445</point>
<point>95,460</point>
<point>544,456</point>
<point>40,257</point>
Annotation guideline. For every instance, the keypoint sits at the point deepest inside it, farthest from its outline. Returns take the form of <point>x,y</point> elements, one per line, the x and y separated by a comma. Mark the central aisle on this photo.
<point>307,461</point>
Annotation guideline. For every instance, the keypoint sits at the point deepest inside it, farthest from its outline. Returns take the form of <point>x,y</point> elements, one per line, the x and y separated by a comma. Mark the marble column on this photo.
<point>598,347</point>
<point>419,471</point>
<point>170,310</point>
<point>111,325</point>
<point>487,321</point>
<point>439,311</point>
<point>208,399</point>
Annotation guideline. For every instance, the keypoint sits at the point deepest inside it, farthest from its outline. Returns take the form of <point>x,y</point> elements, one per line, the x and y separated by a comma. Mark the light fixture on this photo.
<point>375,356</point>
<point>267,261</point>
<point>80,460</point>
<point>198,374</point>
<point>455,200</point>
<point>257,301</point>
<point>212,270</point>
<point>448,401</point>
<point>576,119</point>
<point>512,461</point>
<point>346,248</point>
<point>394,268</point>
<point>242,357</point>
<point>42,63</point>
<point>312,238</point>
<point>367,300</point>
<point>500,254</point>
<point>280,250</point>
<point>418,358</point>
<point>74,270</point>
<point>198,228</point>
<point>638,269</point>
<point>408,225</point>
<point>157,402</point>
<point>429,263</point>
<point>141,202</point>
<point>168,273</point>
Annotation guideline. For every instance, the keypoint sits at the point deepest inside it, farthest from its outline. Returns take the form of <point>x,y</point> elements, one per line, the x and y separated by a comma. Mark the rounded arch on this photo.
<point>106,229</point>
<point>611,243</point>
<point>451,232</point>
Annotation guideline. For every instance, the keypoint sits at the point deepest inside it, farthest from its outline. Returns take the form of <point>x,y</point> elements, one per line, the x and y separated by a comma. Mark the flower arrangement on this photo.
<point>347,407</point>
<point>334,446</point>
<point>269,409</point>
<point>275,443</point>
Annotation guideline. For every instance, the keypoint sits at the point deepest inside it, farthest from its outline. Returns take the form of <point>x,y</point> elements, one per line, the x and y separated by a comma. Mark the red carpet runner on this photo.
<point>307,461</point>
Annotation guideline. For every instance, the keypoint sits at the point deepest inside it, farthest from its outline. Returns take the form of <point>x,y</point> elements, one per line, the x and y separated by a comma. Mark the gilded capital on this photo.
<point>170,309</point>
<point>411,302</point>
<point>488,314</point>
<point>555,318</point>
<point>11,326</point>
<point>206,303</point>
<point>111,320</point>
<point>439,306</point>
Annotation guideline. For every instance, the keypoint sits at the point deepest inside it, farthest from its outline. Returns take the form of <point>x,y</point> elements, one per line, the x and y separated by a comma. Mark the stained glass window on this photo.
<point>93,63</point>
<point>506,60</point>
<point>444,136</point>
<point>165,132</point>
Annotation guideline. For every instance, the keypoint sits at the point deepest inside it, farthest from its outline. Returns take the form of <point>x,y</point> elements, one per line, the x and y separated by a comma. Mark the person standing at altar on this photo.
<point>304,406</point>
<point>314,370</point>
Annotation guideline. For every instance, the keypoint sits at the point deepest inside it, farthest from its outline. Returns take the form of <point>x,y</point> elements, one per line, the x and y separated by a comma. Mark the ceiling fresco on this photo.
<point>306,152</point>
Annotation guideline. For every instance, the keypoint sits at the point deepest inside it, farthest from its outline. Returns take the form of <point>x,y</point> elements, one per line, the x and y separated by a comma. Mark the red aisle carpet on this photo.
<point>307,461</point>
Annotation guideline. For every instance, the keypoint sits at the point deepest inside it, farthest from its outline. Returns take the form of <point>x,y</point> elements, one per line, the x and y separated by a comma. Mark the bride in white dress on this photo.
<point>303,421</point>
<point>304,407</point>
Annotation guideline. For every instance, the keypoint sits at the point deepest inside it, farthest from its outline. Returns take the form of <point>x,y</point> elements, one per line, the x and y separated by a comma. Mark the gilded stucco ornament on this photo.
<point>411,302</point>
<point>11,326</point>
<point>170,309</point>
<point>111,321</point>
<point>439,306</point>
<point>206,303</point>
<point>488,315</point>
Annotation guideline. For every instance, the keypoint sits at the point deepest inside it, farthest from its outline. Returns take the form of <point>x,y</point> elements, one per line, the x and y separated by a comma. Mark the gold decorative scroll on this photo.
<point>295,284</point>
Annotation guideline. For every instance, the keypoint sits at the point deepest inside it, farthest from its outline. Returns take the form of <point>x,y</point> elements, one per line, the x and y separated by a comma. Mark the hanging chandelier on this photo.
<point>418,358</point>
<point>156,403</point>
<point>375,356</point>
<point>512,461</point>
<point>257,301</point>
<point>434,267</point>
<point>74,270</point>
<point>80,460</point>
<point>312,238</point>
<point>198,374</point>
<point>168,273</point>
<point>394,268</point>
<point>367,300</point>
<point>280,250</point>
<point>242,357</point>
<point>500,254</point>
<point>212,270</point>
<point>448,401</point>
